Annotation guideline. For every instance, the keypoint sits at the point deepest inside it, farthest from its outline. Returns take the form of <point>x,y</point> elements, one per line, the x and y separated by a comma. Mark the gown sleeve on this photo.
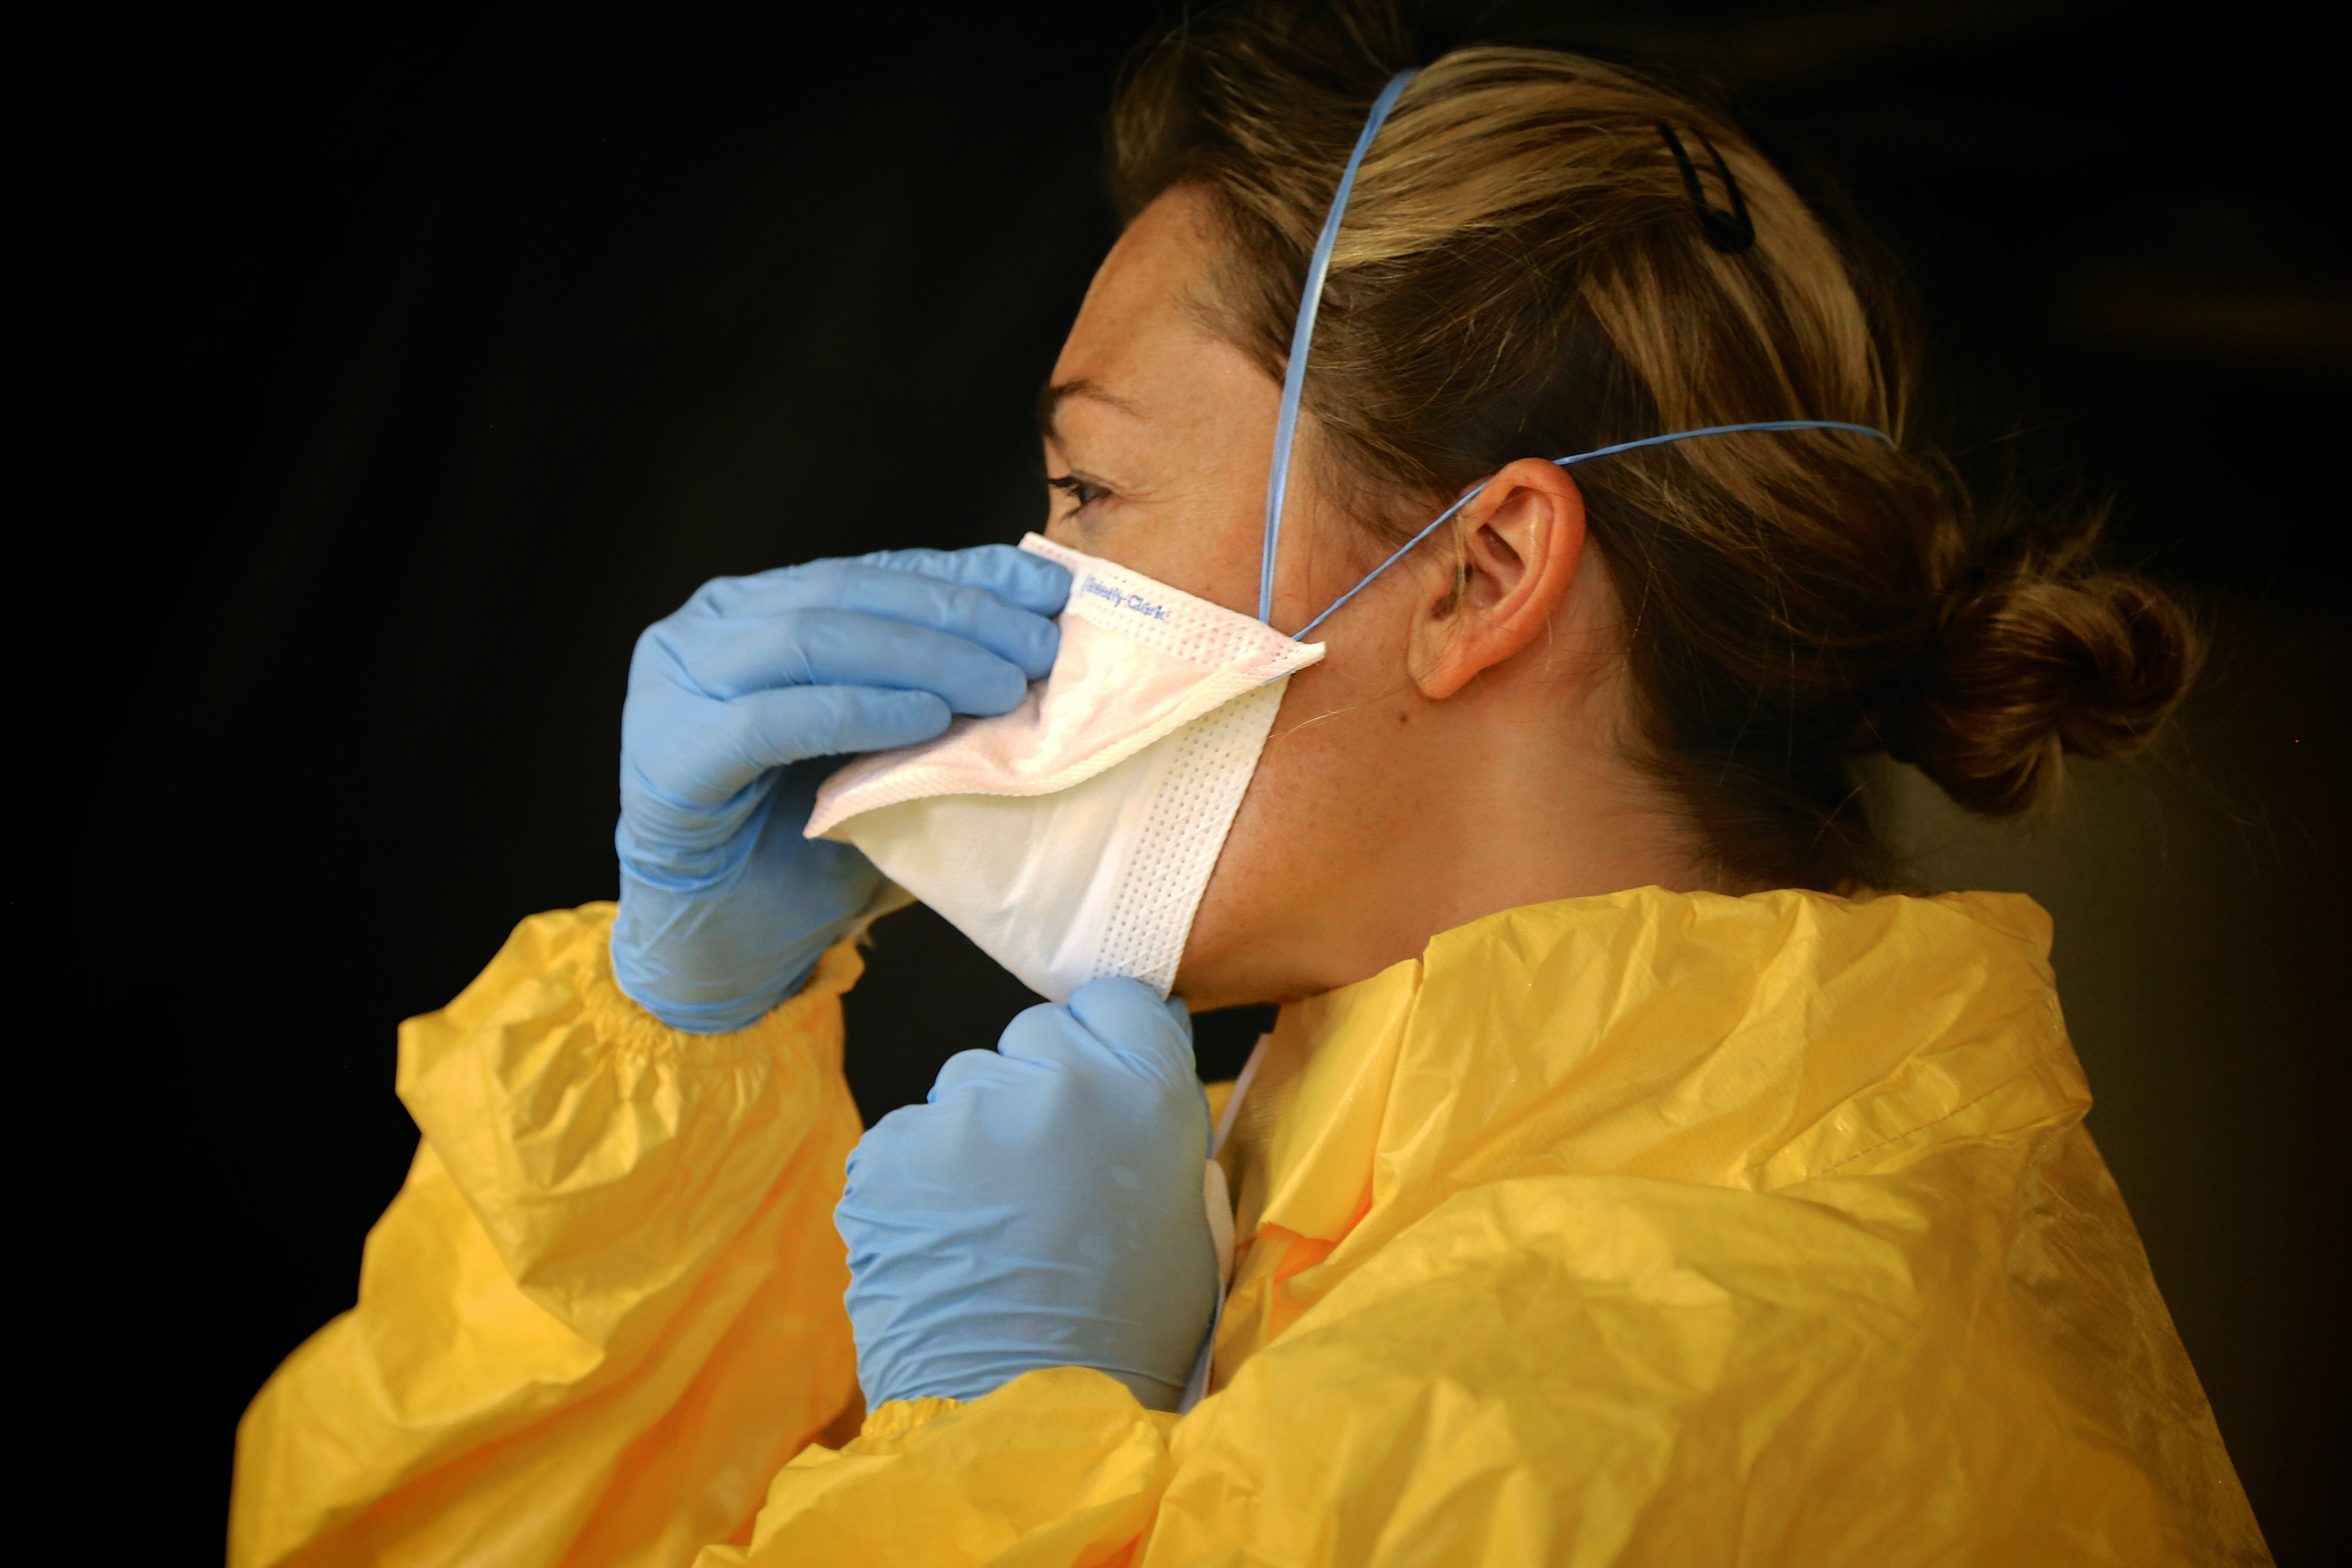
<point>604,1308</point>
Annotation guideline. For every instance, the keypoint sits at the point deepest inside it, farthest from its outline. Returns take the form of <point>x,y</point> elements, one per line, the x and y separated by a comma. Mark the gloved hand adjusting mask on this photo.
<point>1073,837</point>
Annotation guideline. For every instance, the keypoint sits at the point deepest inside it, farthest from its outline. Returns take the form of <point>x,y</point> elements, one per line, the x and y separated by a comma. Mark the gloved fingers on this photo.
<point>884,1149</point>
<point>971,1069</point>
<point>1004,626</point>
<point>1032,582</point>
<point>684,772</point>
<point>980,1102</point>
<point>1009,630</point>
<point>765,730</point>
<point>1104,1019</point>
<point>838,648</point>
<point>1047,1033</point>
<point>1133,1019</point>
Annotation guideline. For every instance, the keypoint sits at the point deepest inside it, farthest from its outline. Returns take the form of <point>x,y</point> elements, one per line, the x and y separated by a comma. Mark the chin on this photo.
<point>1247,944</point>
<point>1212,977</point>
<point>1207,993</point>
<point>1217,972</point>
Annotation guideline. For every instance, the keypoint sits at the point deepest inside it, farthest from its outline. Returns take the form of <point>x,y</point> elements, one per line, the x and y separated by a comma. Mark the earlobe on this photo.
<point>1514,551</point>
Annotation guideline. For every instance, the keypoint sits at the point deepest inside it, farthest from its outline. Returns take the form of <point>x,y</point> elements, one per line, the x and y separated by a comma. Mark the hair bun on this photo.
<point>2029,667</point>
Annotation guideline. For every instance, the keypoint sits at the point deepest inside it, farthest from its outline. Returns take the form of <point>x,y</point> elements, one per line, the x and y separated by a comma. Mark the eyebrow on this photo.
<point>1050,400</point>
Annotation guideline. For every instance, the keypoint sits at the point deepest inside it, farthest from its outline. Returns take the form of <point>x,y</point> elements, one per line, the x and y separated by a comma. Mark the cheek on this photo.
<point>1204,543</point>
<point>1199,530</point>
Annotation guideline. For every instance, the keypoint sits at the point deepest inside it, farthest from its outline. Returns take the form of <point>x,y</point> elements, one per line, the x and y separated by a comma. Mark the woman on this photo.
<point>1625,1179</point>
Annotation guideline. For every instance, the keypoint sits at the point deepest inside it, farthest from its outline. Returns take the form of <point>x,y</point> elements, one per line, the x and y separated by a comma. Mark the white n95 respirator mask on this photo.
<point>1072,838</point>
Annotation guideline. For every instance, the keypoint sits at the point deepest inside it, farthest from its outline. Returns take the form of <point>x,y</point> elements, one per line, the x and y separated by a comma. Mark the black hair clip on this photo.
<point>1729,232</point>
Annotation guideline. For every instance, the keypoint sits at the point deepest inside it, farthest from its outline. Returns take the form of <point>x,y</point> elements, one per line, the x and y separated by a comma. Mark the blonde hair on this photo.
<point>1523,272</point>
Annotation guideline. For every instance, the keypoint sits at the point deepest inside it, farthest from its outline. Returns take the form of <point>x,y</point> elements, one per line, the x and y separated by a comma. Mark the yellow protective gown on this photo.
<point>1653,1228</point>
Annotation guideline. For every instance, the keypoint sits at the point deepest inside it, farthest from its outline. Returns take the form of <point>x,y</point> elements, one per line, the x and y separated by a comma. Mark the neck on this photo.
<point>1399,817</point>
<point>1534,797</point>
<point>1522,793</point>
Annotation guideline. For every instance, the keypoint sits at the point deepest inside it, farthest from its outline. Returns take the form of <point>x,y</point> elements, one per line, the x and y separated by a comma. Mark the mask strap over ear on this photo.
<point>1294,375</point>
<point>1404,549</point>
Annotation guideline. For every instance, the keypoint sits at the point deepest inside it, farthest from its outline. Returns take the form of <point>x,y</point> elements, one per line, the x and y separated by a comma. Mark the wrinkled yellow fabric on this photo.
<point>1651,1228</point>
<point>606,1305</point>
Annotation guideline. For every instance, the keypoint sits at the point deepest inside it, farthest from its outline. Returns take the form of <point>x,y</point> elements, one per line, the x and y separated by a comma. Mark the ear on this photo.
<point>1516,549</point>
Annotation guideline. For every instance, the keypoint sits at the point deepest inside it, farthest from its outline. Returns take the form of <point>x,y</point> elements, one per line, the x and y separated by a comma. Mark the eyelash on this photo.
<point>1082,491</point>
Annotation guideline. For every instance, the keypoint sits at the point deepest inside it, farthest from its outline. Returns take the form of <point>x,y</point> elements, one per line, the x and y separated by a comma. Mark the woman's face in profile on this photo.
<point>1159,435</point>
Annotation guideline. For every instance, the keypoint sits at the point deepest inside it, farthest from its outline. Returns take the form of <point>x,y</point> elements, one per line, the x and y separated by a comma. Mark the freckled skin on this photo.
<point>1503,779</point>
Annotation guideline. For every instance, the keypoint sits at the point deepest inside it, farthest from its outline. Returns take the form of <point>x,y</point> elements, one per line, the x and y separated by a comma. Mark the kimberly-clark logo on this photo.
<point>1096,589</point>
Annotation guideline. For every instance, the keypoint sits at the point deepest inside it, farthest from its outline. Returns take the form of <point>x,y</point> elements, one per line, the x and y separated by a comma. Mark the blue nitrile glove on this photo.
<point>1044,1209</point>
<point>738,706</point>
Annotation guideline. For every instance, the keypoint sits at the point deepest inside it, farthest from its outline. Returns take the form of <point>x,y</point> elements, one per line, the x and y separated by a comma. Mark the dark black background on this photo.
<point>390,365</point>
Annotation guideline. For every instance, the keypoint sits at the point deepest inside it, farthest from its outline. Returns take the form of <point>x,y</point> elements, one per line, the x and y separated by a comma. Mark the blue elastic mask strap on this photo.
<point>1294,376</point>
<point>1300,635</point>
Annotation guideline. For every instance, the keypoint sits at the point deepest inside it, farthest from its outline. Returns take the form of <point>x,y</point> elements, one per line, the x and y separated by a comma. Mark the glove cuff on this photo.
<point>640,976</point>
<point>623,1017</point>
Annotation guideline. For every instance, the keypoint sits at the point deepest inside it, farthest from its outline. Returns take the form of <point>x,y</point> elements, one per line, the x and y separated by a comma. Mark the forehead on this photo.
<point>1142,337</point>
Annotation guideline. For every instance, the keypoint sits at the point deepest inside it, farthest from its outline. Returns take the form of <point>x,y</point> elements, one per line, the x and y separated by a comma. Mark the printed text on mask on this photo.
<point>1136,602</point>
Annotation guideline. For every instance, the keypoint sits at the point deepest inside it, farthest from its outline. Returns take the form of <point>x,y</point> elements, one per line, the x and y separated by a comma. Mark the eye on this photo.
<point>1082,491</point>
